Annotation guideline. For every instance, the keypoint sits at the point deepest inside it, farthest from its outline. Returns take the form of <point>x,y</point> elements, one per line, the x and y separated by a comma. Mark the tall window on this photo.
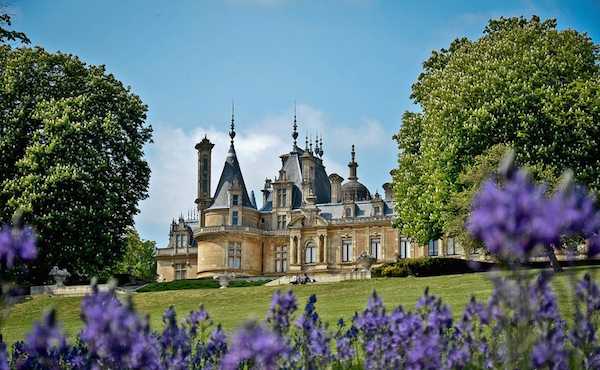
<point>433,248</point>
<point>376,248</point>
<point>404,248</point>
<point>234,255</point>
<point>310,255</point>
<point>281,221</point>
<point>281,197</point>
<point>236,200</point>
<point>348,212</point>
<point>205,175</point>
<point>451,246</point>
<point>180,271</point>
<point>180,240</point>
<point>346,250</point>
<point>234,218</point>
<point>281,259</point>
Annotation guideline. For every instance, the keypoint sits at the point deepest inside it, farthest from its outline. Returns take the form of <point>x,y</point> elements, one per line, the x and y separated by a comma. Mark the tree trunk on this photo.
<point>553,260</point>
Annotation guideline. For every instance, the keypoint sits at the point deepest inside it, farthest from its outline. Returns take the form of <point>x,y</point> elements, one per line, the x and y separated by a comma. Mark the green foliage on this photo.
<point>523,85</point>
<point>138,259</point>
<point>427,266</point>
<point>203,283</point>
<point>71,157</point>
<point>7,35</point>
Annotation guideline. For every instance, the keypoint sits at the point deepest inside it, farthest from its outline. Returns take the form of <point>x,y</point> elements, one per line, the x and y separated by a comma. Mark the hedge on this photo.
<point>203,283</point>
<point>427,266</point>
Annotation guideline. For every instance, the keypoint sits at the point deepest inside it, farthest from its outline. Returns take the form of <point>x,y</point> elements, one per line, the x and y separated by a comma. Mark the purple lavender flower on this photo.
<point>115,336</point>
<point>195,319</point>
<point>3,355</point>
<point>312,343</point>
<point>255,346</point>
<point>282,307</point>
<point>16,244</point>
<point>45,344</point>
<point>514,218</point>
<point>175,342</point>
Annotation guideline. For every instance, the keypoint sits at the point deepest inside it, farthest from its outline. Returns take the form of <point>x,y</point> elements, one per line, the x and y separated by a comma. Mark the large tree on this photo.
<point>523,84</point>
<point>71,157</point>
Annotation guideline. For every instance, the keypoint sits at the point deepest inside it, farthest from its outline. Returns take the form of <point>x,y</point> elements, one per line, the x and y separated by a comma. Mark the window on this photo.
<point>376,211</point>
<point>346,250</point>
<point>310,253</point>
<point>234,218</point>
<point>433,248</point>
<point>281,197</point>
<point>281,259</point>
<point>177,237</point>
<point>180,271</point>
<point>376,248</point>
<point>180,240</point>
<point>404,248</point>
<point>451,246</point>
<point>281,221</point>
<point>348,212</point>
<point>236,200</point>
<point>234,255</point>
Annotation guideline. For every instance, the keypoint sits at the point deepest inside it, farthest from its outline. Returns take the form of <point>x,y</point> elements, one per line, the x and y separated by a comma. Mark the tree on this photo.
<point>7,35</point>
<point>138,259</point>
<point>71,157</point>
<point>524,85</point>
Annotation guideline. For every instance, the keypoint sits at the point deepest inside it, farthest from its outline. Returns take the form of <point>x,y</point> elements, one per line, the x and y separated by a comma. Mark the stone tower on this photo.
<point>204,199</point>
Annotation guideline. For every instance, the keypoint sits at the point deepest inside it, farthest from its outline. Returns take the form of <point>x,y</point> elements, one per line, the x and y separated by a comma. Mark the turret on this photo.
<point>204,199</point>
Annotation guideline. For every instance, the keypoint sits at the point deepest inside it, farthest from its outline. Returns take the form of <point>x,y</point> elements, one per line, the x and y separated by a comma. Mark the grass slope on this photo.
<point>233,306</point>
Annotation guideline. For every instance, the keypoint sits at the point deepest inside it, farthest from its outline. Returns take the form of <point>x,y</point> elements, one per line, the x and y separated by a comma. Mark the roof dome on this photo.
<point>355,191</point>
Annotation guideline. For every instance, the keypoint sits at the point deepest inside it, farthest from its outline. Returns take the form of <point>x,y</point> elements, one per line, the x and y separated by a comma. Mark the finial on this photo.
<point>321,146</point>
<point>311,144</point>
<point>306,143</point>
<point>232,132</point>
<point>295,132</point>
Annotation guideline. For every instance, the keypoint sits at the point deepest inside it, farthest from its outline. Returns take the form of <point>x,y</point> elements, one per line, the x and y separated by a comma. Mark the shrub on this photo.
<point>428,266</point>
<point>203,283</point>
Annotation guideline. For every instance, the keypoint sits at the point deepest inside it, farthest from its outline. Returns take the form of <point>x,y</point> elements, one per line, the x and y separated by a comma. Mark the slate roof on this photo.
<point>293,167</point>
<point>231,172</point>
<point>333,211</point>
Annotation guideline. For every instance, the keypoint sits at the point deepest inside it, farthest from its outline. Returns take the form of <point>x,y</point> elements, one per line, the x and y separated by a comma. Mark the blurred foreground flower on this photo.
<point>514,215</point>
<point>16,244</point>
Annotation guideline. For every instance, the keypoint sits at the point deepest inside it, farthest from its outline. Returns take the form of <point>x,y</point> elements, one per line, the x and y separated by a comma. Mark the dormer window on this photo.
<point>235,200</point>
<point>281,197</point>
<point>376,211</point>
<point>348,212</point>
<point>234,218</point>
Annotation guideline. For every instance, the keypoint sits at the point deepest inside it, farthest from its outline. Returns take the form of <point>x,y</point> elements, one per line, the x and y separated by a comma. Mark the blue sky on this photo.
<point>349,64</point>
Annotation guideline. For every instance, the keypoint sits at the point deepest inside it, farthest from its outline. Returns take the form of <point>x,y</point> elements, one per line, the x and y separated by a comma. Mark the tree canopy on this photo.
<point>138,259</point>
<point>523,85</point>
<point>71,157</point>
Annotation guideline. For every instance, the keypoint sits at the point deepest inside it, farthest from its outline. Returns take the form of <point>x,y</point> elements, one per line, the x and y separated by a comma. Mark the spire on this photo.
<point>232,132</point>
<point>295,132</point>
<point>353,165</point>
<point>321,146</point>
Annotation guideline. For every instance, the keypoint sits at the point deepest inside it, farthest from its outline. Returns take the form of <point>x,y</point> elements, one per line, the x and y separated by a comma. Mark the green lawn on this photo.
<point>233,306</point>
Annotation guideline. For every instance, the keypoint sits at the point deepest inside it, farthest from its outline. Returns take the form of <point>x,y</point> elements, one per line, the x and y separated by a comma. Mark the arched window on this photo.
<point>310,254</point>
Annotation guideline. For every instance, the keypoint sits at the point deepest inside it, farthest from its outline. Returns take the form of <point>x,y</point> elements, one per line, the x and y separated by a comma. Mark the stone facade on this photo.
<point>309,221</point>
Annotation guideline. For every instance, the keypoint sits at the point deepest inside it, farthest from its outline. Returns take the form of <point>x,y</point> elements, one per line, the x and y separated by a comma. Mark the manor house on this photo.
<point>309,221</point>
